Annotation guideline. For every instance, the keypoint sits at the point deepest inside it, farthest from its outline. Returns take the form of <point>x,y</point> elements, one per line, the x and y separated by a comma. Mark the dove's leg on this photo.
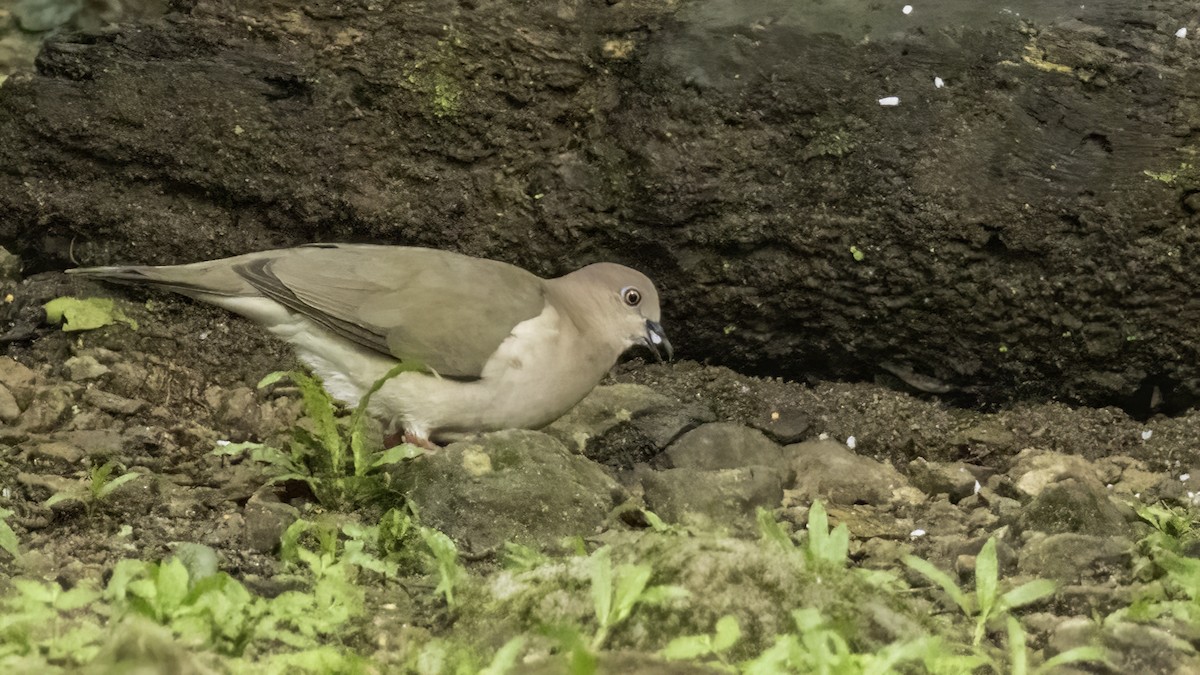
<point>397,437</point>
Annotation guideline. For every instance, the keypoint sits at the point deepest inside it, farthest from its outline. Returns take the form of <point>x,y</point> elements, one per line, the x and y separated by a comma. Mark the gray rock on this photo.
<point>784,424</point>
<point>20,380</point>
<point>9,410</point>
<point>1140,648</point>
<point>48,409</point>
<point>113,403</point>
<point>57,451</point>
<point>1034,470</point>
<point>724,500</point>
<point>721,445</point>
<point>97,442</point>
<point>1075,558</point>
<point>1074,505</point>
<point>829,470</point>
<point>10,266</point>
<point>517,485</point>
<point>264,521</point>
<point>953,479</point>
<point>624,424</point>
<point>86,367</point>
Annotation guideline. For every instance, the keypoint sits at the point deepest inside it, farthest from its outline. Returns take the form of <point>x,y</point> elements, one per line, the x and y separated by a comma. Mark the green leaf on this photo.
<point>1027,593</point>
<point>945,581</point>
<point>37,591</point>
<point>728,633</point>
<point>687,647</point>
<point>657,595</point>
<point>987,577</point>
<point>771,530</point>
<point>80,596</point>
<point>109,487</point>
<point>63,496</point>
<point>271,378</point>
<point>124,573</point>
<point>1018,658</point>
<point>446,555</point>
<point>8,538</point>
<point>521,557</point>
<point>85,314</point>
<point>631,582</point>
<point>818,529</point>
<point>506,657</point>
<point>319,407</point>
<point>172,585</point>
<point>837,546</point>
<point>601,572</point>
<point>1075,655</point>
<point>395,454</point>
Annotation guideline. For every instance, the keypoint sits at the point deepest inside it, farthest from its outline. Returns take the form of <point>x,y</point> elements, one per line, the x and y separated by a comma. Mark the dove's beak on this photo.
<point>657,341</point>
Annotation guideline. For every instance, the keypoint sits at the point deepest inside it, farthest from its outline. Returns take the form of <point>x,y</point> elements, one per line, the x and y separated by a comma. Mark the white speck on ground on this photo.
<point>1147,434</point>
<point>889,100</point>
<point>1181,33</point>
<point>851,442</point>
<point>938,83</point>
<point>916,534</point>
<point>907,9</point>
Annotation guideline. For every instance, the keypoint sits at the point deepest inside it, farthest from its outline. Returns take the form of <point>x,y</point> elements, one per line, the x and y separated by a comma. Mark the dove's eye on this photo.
<point>631,296</point>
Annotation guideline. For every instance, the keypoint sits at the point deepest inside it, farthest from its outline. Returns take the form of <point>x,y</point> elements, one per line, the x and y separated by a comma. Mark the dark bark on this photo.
<point>997,238</point>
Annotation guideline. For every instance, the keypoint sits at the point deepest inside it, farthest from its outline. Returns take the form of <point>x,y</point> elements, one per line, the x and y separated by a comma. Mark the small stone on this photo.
<point>80,368</point>
<point>831,471</point>
<point>635,413</point>
<point>48,409</point>
<point>9,410</point>
<point>783,424</point>
<point>10,266</point>
<point>55,450</point>
<point>112,403</point>
<point>96,442</point>
<point>952,479</point>
<point>1074,505</point>
<point>727,499</point>
<point>536,492</point>
<point>1034,470</point>
<point>265,520</point>
<point>721,445</point>
<point>21,381</point>
<point>1075,558</point>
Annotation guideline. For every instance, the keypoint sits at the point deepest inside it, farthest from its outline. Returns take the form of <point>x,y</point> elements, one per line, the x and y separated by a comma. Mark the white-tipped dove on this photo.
<point>500,347</point>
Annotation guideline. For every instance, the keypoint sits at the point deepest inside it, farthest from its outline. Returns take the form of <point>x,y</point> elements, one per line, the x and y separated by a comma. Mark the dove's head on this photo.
<point>623,305</point>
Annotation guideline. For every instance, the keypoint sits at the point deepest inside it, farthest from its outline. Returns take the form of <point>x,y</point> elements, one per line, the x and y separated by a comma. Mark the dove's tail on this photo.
<point>204,280</point>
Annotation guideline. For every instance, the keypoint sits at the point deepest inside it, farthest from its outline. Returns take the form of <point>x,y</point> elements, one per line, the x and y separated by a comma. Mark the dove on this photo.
<point>493,346</point>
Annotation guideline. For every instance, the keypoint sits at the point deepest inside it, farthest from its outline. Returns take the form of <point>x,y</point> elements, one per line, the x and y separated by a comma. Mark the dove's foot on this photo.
<point>397,437</point>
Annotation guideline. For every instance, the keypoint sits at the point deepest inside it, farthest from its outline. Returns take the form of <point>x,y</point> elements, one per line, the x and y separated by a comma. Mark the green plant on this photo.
<point>987,604</point>
<point>823,547</point>
<point>690,647</point>
<point>445,555</point>
<point>335,461</point>
<point>98,487</point>
<point>8,538</point>
<point>43,623</point>
<point>617,590</point>
<point>85,314</point>
<point>817,647</point>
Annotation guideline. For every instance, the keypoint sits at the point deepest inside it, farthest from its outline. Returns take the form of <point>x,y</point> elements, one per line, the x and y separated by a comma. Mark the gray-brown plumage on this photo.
<point>501,347</point>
